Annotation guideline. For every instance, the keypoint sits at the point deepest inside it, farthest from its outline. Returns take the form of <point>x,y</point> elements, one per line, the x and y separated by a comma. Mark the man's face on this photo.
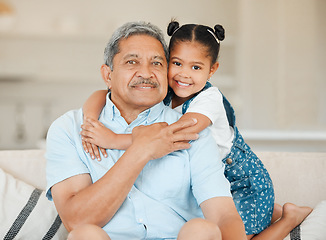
<point>139,77</point>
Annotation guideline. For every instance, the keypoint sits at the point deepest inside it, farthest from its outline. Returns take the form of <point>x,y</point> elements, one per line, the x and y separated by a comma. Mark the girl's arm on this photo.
<point>207,108</point>
<point>91,110</point>
<point>94,134</point>
<point>94,104</point>
<point>202,122</point>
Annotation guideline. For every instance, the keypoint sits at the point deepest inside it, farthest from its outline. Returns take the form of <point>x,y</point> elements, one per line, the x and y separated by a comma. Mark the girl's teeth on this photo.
<point>183,84</point>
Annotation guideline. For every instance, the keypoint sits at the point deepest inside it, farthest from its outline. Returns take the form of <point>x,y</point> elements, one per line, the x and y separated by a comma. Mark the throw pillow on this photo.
<point>26,213</point>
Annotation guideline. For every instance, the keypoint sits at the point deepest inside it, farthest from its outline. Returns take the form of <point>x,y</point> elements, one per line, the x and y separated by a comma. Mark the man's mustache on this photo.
<point>143,81</point>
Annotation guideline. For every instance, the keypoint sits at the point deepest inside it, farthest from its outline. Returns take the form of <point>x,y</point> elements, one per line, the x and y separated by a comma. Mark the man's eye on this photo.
<point>177,64</point>
<point>131,62</point>
<point>196,67</point>
<point>157,63</point>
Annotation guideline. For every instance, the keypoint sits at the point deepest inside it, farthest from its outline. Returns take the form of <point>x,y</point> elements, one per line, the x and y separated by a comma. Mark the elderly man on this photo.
<point>160,187</point>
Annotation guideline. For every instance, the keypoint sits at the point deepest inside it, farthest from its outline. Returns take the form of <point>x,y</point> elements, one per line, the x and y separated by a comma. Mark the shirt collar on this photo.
<point>111,112</point>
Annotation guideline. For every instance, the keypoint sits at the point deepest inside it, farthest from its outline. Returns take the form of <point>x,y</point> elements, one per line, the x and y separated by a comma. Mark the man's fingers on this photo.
<point>86,134</point>
<point>181,145</point>
<point>178,137</point>
<point>87,128</point>
<point>179,125</point>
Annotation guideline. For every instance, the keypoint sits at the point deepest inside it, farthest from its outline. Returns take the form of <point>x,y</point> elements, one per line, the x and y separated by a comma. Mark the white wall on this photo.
<point>271,63</point>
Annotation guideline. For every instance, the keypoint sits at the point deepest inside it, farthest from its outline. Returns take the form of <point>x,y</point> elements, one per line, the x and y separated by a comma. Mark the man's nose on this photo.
<point>145,71</point>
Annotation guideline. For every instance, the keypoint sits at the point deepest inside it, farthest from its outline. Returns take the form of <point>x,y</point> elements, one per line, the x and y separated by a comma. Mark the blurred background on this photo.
<point>272,63</point>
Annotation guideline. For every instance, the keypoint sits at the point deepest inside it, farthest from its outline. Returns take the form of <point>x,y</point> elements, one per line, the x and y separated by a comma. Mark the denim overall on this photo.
<point>251,185</point>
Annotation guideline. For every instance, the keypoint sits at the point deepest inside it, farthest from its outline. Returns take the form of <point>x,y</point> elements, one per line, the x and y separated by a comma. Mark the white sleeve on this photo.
<point>209,103</point>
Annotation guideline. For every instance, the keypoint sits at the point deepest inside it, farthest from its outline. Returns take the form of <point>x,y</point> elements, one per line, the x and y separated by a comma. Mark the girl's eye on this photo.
<point>196,67</point>
<point>177,64</point>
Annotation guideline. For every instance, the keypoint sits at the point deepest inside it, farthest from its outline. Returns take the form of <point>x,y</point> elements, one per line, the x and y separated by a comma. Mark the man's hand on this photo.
<point>160,139</point>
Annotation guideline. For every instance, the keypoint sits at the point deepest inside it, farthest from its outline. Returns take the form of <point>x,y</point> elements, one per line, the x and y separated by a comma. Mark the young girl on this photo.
<point>193,60</point>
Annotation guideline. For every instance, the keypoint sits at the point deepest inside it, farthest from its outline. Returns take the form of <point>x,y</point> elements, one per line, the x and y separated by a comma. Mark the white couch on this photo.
<point>298,177</point>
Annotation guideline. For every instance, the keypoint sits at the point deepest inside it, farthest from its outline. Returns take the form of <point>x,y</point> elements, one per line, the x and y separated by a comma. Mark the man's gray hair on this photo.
<point>127,30</point>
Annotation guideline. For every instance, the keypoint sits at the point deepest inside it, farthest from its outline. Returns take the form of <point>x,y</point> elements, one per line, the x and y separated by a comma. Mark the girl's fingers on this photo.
<point>96,152</point>
<point>103,151</point>
<point>85,146</point>
<point>90,150</point>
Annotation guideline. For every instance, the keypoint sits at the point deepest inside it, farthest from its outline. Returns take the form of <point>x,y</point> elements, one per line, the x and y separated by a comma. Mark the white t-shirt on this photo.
<point>210,103</point>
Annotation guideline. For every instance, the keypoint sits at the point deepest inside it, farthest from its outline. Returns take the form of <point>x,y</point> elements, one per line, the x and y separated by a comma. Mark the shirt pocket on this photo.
<point>165,177</point>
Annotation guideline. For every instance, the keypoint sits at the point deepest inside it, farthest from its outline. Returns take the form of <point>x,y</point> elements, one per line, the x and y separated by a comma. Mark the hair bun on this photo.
<point>219,32</point>
<point>173,25</point>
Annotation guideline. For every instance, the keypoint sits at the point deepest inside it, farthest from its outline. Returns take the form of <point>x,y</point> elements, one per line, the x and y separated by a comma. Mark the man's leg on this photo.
<point>199,228</point>
<point>88,231</point>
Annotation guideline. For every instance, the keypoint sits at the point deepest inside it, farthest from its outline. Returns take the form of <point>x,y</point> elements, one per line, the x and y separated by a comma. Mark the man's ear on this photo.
<point>106,74</point>
<point>213,69</point>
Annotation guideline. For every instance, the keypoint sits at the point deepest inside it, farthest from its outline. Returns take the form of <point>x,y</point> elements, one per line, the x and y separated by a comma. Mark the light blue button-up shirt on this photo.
<point>167,192</point>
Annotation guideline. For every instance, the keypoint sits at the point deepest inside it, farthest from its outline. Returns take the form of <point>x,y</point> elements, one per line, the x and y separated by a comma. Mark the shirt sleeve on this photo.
<point>207,169</point>
<point>209,103</point>
<point>63,160</point>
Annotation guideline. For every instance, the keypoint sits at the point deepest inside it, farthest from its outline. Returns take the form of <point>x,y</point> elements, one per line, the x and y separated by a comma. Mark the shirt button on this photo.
<point>140,220</point>
<point>229,161</point>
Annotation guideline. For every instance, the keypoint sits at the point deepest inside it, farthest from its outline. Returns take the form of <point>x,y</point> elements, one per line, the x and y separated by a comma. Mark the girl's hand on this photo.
<point>95,137</point>
<point>93,150</point>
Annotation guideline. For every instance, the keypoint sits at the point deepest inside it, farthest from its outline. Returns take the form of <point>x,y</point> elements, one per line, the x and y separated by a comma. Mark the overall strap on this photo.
<point>186,104</point>
<point>229,111</point>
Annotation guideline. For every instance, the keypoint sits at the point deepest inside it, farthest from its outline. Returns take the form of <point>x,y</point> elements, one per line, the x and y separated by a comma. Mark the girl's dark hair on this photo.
<point>200,33</point>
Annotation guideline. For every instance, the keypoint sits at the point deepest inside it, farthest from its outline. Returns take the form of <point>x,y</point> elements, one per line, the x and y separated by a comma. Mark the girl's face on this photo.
<point>189,69</point>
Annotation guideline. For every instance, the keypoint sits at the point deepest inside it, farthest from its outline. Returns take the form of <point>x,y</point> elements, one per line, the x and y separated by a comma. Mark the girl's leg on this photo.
<point>198,228</point>
<point>277,213</point>
<point>292,216</point>
<point>88,231</point>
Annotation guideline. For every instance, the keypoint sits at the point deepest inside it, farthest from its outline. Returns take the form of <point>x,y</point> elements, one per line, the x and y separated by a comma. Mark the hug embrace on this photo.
<point>171,162</point>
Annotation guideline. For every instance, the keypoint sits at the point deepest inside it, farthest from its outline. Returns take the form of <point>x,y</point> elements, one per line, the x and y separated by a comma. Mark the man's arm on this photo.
<point>78,201</point>
<point>222,211</point>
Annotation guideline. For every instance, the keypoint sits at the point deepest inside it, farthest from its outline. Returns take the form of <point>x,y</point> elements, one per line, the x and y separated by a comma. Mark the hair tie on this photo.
<point>175,31</point>
<point>218,41</point>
